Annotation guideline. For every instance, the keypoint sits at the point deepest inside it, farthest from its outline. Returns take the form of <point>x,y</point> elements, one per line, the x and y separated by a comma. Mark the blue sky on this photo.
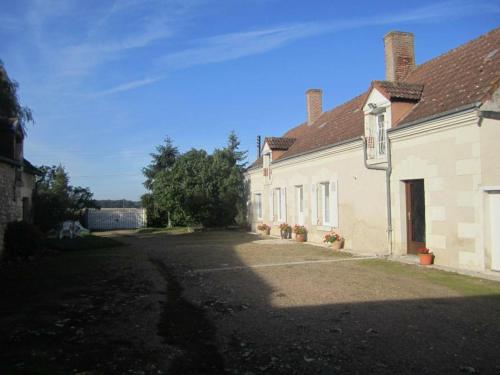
<point>108,80</point>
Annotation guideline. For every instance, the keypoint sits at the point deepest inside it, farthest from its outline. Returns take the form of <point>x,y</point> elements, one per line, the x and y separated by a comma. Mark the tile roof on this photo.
<point>464,75</point>
<point>279,143</point>
<point>30,168</point>
<point>341,123</point>
<point>399,90</point>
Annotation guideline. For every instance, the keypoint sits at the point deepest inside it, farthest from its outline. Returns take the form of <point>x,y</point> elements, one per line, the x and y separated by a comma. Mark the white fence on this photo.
<point>116,218</point>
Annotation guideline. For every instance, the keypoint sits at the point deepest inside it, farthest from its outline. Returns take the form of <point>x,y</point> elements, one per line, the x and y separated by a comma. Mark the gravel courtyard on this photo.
<point>232,302</point>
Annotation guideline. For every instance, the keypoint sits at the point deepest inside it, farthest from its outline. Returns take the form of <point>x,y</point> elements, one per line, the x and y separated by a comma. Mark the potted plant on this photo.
<point>300,233</point>
<point>425,256</point>
<point>285,230</point>
<point>264,229</point>
<point>335,240</point>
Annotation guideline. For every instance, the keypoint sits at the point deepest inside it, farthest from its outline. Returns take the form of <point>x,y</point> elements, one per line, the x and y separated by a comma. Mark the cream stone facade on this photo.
<point>441,171</point>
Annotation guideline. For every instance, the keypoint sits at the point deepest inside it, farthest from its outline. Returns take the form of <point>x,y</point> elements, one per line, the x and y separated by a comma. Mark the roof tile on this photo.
<point>462,76</point>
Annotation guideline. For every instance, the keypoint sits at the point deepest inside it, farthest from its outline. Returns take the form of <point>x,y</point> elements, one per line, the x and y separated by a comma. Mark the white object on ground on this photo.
<point>71,229</point>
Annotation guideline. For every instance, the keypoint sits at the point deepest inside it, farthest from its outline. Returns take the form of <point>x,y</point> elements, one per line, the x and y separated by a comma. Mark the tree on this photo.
<point>9,101</point>
<point>163,159</point>
<point>229,167</point>
<point>55,200</point>
<point>198,188</point>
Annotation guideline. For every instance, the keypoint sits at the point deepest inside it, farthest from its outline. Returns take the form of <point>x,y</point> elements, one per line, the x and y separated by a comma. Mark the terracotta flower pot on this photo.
<point>337,245</point>
<point>426,259</point>
<point>300,237</point>
<point>265,232</point>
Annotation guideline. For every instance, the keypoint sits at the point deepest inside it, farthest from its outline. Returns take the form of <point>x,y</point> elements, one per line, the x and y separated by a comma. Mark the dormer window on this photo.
<point>377,133</point>
<point>381,134</point>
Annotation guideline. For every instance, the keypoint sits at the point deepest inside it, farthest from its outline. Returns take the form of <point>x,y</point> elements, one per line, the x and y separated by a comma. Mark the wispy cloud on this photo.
<point>236,45</point>
<point>130,85</point>
<point>80,59</point>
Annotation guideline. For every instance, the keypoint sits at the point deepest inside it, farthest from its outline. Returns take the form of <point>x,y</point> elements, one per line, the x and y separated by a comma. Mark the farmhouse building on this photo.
<point>412,162</point>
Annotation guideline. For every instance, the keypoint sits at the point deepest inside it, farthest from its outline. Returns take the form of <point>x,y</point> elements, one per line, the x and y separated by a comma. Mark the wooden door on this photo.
<point>415,215</point>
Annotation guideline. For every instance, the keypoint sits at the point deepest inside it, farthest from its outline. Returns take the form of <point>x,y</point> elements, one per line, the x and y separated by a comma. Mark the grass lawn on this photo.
<point>465,285</point>
<point>173,230</point>
<point>89,242</point>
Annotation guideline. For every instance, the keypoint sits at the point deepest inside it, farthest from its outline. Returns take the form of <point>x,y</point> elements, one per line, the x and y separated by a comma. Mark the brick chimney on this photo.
<point>399,55</point>
<point>314,104</point>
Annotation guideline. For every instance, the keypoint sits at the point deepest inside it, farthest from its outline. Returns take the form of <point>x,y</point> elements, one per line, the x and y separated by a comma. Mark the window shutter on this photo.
<point>334,204</point>
<point>283,203</point>
<point>271,205</point>
<point>314,205</point>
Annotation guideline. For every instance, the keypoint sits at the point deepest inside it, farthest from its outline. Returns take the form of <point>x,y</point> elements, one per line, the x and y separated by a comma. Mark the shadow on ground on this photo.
<point>198,315</point>
<point>259,327</point>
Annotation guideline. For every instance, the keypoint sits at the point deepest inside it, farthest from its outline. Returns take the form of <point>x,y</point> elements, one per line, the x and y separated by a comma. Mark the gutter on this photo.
<point>493,115</point>
<point>388,171</point>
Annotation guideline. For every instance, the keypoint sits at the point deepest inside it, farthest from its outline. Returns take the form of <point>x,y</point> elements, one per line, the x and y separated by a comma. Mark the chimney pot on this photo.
<point>399,55</point>
<point>314,103</point>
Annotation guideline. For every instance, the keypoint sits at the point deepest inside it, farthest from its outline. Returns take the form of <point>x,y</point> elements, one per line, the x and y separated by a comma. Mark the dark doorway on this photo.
<point>26,210</point>
<point>415,215</point>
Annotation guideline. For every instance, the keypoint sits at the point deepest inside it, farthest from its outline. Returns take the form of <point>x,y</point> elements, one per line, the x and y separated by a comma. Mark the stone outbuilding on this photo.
<point>17,176</point>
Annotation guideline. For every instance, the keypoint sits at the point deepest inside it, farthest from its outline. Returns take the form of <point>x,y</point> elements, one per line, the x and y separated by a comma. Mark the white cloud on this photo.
<point>130,85</point>
<point>236,45</point>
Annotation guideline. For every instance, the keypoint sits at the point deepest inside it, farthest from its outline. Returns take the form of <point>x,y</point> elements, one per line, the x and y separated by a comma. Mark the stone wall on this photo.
<point>8,206</point>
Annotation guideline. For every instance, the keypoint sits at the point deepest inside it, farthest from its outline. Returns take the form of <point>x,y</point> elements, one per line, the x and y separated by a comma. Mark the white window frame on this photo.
<point>326,206</point>
<point>277,204</point>
<point>280,199</point>
<point>381,132</point>
<point>258,206</point>
<point>299,202</point>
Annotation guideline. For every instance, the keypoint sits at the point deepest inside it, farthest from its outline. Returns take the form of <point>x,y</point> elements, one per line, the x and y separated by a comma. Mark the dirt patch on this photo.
<point>334,317</point>
<point>261,307</point>
<point>89,312</point>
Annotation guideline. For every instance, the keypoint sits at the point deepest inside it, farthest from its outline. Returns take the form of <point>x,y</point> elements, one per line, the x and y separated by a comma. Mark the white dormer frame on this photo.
<point>377,110</point>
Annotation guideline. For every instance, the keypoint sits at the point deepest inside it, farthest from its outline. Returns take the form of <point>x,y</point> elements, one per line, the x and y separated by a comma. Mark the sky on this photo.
<point>108,80</point>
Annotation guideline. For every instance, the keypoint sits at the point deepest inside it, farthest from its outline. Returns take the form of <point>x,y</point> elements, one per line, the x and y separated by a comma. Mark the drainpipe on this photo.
<point>388,170</point>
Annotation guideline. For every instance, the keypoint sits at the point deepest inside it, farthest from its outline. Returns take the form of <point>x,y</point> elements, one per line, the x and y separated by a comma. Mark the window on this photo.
<point>279,196</point>
<point>376,140</point>
<point>258,206</point>
<point>299,191</point>
<point>381,134</point>
<point>325,202</point>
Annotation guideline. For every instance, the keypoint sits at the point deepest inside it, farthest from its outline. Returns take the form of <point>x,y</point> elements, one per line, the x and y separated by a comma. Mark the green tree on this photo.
<point>229,166</point>
<point>163,160</point>
<point>9,101</point>
<point>198,188</point>
<point>55,200</point>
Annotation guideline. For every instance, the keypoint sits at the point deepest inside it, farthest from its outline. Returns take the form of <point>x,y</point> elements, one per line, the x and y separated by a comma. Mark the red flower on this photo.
<point>423,250</point>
